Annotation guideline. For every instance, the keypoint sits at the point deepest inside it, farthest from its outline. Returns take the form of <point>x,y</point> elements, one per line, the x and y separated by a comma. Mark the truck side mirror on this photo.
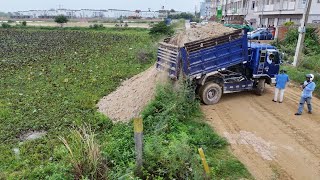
<point>282,56</point>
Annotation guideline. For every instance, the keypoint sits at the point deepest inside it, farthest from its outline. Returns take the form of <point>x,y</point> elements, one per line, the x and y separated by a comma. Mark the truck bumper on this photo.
<point>273,80</point>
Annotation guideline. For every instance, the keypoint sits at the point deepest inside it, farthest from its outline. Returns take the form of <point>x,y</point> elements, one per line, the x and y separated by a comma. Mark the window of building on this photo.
<point>295,20</point>
<point>254,3</point>
<point>305,1</point>
<point>281,21</point>
<point>272,2</point>
<point>270,21</point>
<point>267,2</point>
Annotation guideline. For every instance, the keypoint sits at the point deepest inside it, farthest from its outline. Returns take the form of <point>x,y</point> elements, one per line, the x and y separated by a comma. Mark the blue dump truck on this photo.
<point>225,64</point>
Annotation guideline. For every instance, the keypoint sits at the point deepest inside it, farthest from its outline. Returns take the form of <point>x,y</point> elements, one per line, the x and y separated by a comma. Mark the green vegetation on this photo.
<point>174,129</point>
<point>24,23</point>
<point>161,29</point>
<point>51,80</point>
<point>185,15</point>
<point>61,19</point>
<point>310,62</point>
<point>5,25</point>
<point>96,26</point>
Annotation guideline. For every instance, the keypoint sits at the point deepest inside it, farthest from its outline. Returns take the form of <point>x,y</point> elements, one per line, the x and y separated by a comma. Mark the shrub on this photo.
<point>85,154</point>
<point>96,26</point>
<point>161,29</point>
<point>11,21</point>
<point>61,19</point>
<point>5,25</point>
<point>24,23</point>
<point>288,23</point>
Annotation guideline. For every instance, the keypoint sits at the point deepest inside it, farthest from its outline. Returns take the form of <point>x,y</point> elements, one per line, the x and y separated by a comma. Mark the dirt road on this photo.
<point>267,137</point>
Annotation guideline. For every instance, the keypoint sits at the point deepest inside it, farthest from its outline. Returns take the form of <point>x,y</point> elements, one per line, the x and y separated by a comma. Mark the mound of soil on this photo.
<point>209,30</point>
<point>132,96</point>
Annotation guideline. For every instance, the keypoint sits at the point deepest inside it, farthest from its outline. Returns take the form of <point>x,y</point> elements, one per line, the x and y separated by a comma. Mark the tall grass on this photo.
<point>85,154</point>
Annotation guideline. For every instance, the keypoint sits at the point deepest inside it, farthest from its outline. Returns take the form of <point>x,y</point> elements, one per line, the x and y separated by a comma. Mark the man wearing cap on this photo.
<point>281,82</point>
<point>307,88</point>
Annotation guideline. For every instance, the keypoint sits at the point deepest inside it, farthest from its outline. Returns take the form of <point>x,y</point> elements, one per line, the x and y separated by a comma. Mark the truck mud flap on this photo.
<point>168,59</point>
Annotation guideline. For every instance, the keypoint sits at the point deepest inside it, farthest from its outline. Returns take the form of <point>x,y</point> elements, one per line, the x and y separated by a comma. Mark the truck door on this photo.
<point>272,63</point>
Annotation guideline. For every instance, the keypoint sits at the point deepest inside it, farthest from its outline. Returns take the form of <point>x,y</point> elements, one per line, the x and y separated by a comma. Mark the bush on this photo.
<point>85,154</point>
<point>161,29</point>
<point>288,23</point>
<point>11,21</point>
<point>96,26</point>
<point>5,25</point>
<point>24,23</point>
<point>61,19</point>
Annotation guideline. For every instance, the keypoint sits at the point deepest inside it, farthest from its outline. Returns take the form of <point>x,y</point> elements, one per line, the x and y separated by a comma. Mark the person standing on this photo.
<point>307,88</point>
<point>281,82</point>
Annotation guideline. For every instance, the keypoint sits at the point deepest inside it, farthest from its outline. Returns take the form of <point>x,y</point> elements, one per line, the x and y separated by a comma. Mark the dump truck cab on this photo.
<point>264,61</point>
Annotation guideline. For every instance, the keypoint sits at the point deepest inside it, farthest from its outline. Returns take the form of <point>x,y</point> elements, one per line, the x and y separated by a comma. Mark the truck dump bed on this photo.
<point>204,56</point>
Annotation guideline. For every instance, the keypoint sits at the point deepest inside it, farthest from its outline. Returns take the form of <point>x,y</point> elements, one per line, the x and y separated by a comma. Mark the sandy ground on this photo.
<point>132,96</point>
<point>267,137</point>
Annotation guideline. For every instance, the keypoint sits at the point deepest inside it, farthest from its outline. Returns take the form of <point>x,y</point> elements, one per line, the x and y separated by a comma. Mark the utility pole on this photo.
<point>302,30</point>
<point>262,13</point>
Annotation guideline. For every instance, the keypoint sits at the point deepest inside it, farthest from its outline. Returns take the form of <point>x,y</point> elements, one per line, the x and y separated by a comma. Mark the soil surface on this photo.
<point>267,137</point>
<point>209,30</point>
<point>132,96</point>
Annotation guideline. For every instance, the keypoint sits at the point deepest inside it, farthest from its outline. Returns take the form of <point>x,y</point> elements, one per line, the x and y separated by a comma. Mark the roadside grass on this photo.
<point>298,75</point>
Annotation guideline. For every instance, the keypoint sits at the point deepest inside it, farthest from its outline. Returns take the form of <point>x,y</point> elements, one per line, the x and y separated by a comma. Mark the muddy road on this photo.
<point>267,137</point>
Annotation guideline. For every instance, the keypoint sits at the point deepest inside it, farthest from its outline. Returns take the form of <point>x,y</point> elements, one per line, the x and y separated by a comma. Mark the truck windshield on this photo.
<point>273,57</point>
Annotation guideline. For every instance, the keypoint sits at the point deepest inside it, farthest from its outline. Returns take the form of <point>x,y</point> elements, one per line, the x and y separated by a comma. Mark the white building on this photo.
<point>86,13</point>
<point>270,12</point>
<point>208,8</point>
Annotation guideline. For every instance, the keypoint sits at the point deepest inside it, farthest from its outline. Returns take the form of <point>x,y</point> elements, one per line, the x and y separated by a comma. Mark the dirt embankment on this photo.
<point>267,137</point>
<point>132,96</point>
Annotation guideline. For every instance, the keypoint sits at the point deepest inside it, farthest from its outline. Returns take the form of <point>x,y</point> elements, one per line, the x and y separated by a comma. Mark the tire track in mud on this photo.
<point>294,132</point>
<point>296,141</point>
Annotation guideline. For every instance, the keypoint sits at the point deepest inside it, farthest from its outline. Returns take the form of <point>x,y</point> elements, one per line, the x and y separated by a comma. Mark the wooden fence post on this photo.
<point>204,162</point>
<point>138,139</point>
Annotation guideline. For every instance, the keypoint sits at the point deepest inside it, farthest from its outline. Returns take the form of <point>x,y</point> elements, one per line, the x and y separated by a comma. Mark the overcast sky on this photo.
<point>17,5</point>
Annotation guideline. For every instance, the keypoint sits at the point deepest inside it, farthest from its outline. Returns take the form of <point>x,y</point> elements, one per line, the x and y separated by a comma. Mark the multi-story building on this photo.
<point>85,13</point>
<point>270,12</point>
<point>208,8</point>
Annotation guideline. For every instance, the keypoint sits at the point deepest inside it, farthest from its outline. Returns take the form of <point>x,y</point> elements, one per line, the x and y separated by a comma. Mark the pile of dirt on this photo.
<point>209,30</point>
<point>132,96</point>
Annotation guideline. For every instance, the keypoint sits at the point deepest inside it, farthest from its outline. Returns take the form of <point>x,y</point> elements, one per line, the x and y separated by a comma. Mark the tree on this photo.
<point>161,29</point>
<point>61,19</point>
<point>24,23</point>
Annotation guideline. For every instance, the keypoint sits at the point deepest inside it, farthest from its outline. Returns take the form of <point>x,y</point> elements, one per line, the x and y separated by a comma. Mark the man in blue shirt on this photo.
<point>281,82</point>
<point>306,96</point>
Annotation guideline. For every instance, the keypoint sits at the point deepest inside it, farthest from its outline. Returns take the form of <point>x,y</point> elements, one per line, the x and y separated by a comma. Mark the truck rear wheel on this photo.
<point>210,93</point>
<point>260,87</point>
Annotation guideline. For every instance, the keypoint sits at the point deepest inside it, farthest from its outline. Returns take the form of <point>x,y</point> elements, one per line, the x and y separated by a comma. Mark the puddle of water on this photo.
<point>32,135</point>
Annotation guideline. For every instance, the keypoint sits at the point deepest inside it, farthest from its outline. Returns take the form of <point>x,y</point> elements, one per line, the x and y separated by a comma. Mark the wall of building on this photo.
<point>86,13</point>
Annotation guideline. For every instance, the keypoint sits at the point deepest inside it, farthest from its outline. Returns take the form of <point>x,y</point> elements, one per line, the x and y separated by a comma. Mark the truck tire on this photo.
<point>260,87</point>
<point>210,93</point>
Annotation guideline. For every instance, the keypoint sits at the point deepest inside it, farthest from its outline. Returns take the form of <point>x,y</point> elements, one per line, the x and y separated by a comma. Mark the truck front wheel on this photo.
<point>210,93</point>
<point>260,87</point>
